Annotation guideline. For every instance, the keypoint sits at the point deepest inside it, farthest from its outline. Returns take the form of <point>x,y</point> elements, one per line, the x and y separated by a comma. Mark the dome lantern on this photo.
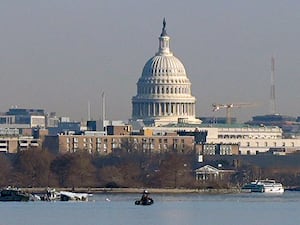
<point>164,41</point>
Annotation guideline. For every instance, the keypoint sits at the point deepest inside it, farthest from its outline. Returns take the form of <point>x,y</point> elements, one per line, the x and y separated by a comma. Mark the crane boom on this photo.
<point>228,107</point>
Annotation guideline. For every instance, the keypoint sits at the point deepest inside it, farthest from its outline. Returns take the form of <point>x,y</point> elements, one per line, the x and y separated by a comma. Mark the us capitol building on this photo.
<point>164,103</point>
<point>164,93</point>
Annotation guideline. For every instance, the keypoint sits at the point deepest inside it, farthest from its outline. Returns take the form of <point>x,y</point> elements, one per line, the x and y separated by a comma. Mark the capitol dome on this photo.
<point>163,65</point>
<point>163,90</point>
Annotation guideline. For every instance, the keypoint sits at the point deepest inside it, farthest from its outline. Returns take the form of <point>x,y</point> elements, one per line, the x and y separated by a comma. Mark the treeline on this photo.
<point>40,168</point>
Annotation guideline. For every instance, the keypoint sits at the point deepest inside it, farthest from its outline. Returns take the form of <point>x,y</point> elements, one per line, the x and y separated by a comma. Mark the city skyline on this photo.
<point>62,55</point>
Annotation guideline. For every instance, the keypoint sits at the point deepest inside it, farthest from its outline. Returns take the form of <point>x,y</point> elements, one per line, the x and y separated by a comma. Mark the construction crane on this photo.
<point>228,107</point>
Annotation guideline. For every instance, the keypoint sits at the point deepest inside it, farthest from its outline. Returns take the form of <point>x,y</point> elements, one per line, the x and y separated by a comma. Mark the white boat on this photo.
<point>266,186</point>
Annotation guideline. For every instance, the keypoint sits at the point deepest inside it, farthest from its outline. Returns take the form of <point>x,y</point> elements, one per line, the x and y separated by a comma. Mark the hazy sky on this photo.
<point>61,54</point>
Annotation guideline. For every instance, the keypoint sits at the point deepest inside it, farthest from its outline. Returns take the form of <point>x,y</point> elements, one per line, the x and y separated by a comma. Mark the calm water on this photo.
<point>228,209</point>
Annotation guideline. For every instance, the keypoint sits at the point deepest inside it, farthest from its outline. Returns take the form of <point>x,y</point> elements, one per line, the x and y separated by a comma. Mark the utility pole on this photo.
<point>89,111</point>
<point>103,110</point>
<point>272,93</point>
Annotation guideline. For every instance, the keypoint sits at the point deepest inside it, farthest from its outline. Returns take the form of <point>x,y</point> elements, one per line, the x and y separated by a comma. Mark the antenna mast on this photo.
<point>272,97</point>
<point>103,109</point>
<point>89,111</point>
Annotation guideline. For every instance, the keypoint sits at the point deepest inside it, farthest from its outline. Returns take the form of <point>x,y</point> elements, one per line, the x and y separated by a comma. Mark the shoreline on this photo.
<point>138,190</point>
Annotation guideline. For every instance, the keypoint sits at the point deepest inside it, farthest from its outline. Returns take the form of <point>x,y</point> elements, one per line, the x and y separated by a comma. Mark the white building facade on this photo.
<point>250,139</point>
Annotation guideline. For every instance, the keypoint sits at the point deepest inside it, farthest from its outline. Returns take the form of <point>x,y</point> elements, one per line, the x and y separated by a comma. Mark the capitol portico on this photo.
<point>164,90</point>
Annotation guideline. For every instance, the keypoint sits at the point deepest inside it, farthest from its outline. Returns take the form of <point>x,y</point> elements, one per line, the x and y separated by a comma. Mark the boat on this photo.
<point>263,186</point>
<point>145,199</point>
<point>15,194</point>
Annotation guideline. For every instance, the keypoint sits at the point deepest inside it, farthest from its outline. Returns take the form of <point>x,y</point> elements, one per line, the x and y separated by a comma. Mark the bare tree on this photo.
<point>175,170</point>
<point>74,169</point>
<point>32,168</point>
<point>5,170</point>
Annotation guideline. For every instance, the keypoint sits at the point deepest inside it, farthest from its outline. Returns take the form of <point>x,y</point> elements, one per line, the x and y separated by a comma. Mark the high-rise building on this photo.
<point>164,90</point>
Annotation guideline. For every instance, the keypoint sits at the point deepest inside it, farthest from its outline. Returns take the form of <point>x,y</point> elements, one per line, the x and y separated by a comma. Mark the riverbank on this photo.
<point>139,190</point>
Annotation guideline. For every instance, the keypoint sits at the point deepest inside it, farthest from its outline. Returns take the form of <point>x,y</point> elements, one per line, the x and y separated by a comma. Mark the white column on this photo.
<point>194,109</point>
<point>148,107</point>
<point>140,109</point>
<point>159,109</point>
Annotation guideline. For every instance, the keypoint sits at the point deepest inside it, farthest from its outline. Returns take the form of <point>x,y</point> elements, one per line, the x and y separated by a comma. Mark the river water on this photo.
<point>168,209</point>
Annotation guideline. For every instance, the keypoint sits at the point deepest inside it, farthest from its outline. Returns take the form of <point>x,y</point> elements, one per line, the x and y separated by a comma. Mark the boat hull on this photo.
<point>146,202</point>
<point>14,195</point>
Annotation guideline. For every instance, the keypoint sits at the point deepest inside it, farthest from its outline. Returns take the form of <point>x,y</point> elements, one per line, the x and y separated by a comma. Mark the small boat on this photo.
<point>15,194</point>
<point>145,199</point>
<point>263,186</point>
